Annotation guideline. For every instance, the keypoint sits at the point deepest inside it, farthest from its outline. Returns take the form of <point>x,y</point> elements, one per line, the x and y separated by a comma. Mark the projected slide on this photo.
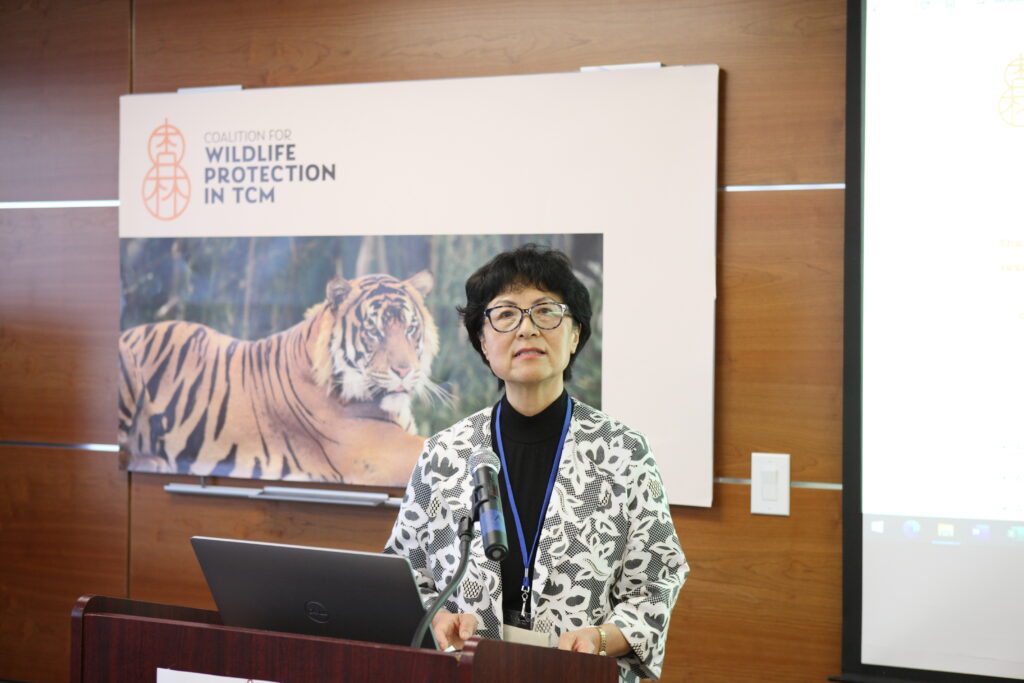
<point>943,336</point>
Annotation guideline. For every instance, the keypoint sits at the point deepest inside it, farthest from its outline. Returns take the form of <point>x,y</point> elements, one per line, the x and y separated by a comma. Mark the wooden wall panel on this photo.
<point>64,533</point>
<point>763,601</point>
<point>778,379</point>
<point>163,566</point>
<point>63,64</point>
<point>783,61</point>
<point>59,289</point>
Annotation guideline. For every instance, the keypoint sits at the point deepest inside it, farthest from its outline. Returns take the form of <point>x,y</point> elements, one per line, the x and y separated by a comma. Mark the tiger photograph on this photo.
<point>258,358</point>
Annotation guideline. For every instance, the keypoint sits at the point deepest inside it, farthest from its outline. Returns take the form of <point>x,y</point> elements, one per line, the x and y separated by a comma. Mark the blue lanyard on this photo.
<point>527,557</point>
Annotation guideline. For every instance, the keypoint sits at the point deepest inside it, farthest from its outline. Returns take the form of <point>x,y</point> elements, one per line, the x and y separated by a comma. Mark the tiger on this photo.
<point>329,399</point>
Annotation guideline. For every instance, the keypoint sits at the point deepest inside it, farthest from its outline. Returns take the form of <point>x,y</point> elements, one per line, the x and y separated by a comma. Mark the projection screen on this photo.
<point>934,377</point>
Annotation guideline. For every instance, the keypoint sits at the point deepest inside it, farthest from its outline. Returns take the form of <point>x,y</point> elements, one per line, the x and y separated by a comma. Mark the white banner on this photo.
<point>628,155</point>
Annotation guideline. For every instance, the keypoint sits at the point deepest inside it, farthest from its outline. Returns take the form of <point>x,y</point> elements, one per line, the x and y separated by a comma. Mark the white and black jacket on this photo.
<point>608,550</point>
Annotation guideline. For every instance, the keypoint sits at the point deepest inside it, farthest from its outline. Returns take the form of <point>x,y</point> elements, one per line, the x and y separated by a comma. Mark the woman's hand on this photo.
<point>453,629</point>
<point>585,640</point>
<point>588,640</point>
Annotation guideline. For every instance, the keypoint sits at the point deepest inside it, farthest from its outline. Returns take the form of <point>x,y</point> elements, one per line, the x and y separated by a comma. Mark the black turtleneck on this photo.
<point>530,444</point>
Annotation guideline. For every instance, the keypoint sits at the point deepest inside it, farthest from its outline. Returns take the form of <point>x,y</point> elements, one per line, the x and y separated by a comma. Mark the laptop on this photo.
<point>313,591</point>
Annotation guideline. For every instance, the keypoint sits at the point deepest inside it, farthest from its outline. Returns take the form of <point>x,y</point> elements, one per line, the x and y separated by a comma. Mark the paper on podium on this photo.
<point>172,676</point>
<point>514,634</point>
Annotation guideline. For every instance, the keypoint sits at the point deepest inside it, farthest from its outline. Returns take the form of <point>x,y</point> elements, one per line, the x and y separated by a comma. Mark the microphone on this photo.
<point>465,538</point>
<point>484,466</point>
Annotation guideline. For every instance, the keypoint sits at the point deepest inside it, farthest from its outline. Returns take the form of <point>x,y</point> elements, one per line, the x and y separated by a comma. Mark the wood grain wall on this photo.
<point>763,601</point>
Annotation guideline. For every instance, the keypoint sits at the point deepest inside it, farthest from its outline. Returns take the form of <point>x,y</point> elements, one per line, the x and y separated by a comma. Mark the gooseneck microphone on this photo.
<point>484,466</point>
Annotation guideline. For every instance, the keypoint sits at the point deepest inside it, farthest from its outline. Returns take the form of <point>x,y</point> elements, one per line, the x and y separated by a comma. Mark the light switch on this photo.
<point>770,486</point>
<point>769,483</point>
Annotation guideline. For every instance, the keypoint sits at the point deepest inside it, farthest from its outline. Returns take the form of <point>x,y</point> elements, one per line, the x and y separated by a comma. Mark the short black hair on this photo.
<point>530,265</point>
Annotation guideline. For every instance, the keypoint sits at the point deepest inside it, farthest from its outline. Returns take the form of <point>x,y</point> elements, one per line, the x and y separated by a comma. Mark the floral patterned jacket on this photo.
<point>608,550</point>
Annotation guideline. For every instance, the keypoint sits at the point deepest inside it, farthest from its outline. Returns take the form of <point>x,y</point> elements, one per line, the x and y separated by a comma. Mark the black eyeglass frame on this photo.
<point>523,312</point>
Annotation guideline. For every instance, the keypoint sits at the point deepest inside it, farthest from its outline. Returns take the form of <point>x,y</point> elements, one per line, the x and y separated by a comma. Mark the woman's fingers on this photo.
<point>453,629</point>
<point>467,627</point>
<point>443,624</point>
<point>578,641</point>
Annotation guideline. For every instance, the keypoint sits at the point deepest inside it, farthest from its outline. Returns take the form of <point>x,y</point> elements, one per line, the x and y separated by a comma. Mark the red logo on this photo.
<point>166,189</point>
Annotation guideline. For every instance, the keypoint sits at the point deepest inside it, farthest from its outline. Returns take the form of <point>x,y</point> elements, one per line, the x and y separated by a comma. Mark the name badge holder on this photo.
<point>524,619</point>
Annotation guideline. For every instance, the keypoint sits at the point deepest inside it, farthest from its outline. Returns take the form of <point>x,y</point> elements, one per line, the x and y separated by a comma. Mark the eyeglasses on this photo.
<point>545,316</point>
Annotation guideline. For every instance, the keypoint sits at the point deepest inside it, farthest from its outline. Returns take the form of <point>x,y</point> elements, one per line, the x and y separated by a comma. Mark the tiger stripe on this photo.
<point>295,405</point>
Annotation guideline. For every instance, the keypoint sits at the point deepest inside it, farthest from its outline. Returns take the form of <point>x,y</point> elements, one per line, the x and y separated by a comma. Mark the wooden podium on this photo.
<point>116,640</point>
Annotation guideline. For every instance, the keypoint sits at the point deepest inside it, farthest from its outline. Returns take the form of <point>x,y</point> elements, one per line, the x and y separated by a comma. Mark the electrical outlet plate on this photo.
<point>769,483</point>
